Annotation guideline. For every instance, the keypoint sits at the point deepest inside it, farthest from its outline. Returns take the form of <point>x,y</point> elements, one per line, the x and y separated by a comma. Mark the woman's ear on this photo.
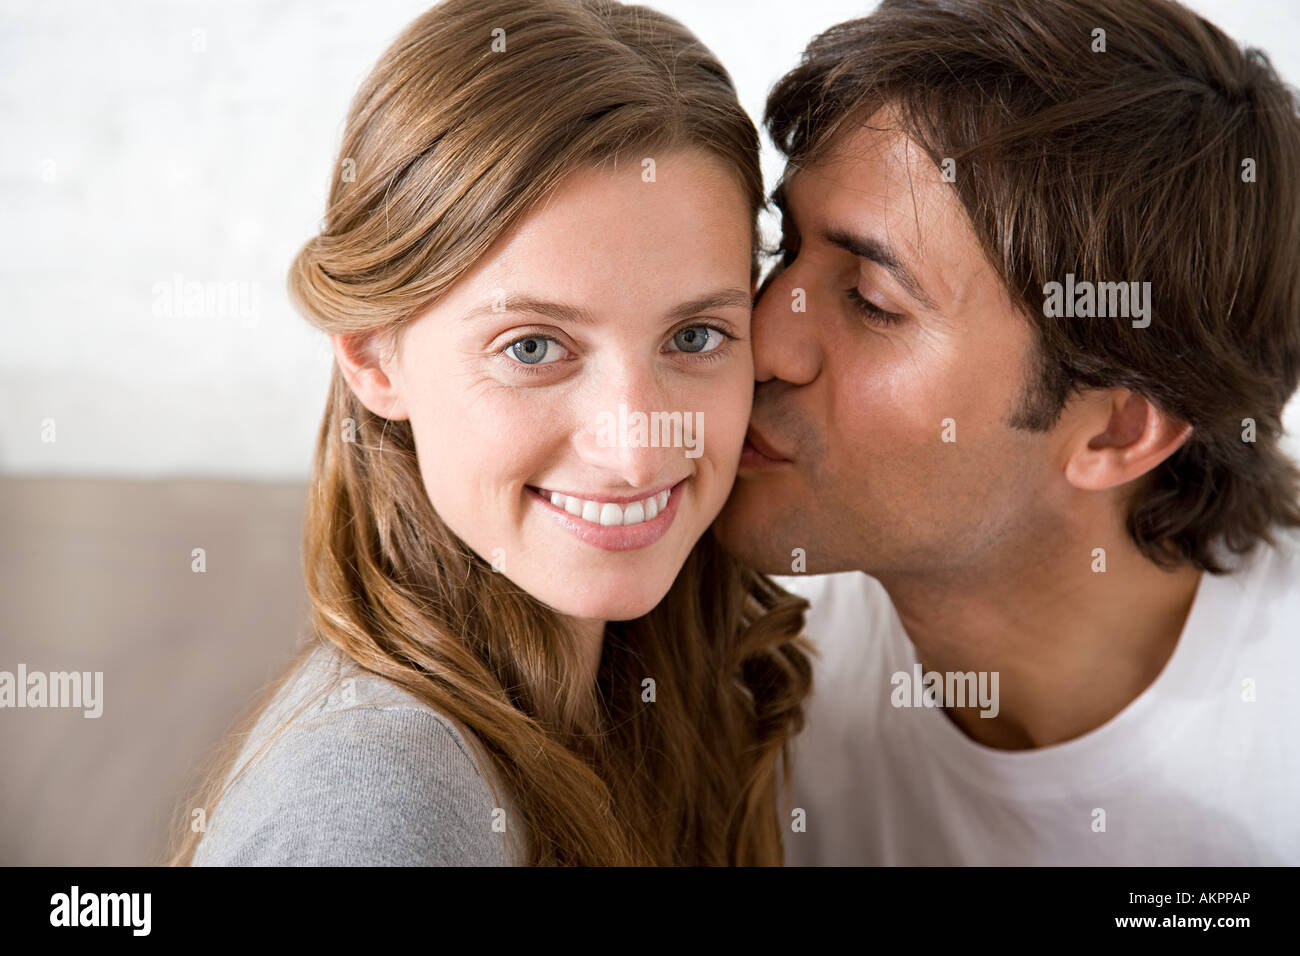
<point>372,372</point>
<point>1120,436</point>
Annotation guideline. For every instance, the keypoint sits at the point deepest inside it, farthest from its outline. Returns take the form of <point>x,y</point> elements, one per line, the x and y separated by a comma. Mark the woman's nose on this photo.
<point>628,429</point>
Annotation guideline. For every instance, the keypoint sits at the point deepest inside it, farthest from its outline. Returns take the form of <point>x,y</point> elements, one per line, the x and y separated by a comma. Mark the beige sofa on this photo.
<point>96,576</point>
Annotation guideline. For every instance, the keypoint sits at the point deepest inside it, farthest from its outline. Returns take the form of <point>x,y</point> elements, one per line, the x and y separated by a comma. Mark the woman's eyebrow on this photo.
<point>559,311</point>
<point>563,312</point>
<point>721,299</point>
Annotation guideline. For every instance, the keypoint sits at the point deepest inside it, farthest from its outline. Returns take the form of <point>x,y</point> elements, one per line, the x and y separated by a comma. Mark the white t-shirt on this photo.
<point>1194,771</point>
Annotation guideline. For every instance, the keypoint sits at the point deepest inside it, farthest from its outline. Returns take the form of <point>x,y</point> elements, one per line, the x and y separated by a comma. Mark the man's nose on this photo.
<point>784,330</point>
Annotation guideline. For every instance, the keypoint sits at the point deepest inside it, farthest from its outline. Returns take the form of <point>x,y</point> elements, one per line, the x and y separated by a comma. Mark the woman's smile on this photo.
<point>613,523</point>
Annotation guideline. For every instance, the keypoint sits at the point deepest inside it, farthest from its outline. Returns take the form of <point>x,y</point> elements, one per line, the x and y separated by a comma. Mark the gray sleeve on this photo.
<point>366,786</point>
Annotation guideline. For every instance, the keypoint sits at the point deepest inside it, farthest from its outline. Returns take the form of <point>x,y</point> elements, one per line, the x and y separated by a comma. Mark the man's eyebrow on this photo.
<point>863,248</point>
<point>867,248</point>
<point>562,312</point>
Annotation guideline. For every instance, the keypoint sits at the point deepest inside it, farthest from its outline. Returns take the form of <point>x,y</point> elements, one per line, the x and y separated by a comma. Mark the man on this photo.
<point>1021,375</point>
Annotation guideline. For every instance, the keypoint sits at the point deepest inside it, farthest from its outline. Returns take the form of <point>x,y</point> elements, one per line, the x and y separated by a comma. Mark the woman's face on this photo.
<point>579,400</point>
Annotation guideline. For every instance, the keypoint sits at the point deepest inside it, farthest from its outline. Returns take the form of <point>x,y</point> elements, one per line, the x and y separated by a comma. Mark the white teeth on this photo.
<point>609,514</point>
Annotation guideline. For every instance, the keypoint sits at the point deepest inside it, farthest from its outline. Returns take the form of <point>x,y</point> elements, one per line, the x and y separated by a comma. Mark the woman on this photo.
<point>528,647</point>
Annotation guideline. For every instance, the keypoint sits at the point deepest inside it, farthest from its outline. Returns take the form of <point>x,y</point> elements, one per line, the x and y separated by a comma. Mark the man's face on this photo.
<point>906,337</point>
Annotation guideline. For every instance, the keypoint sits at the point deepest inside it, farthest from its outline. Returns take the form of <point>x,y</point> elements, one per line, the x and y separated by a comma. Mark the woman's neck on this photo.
<point>590,633</point>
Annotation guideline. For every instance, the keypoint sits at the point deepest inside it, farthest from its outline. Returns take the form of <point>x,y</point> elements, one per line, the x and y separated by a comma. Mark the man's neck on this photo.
<point>1072,647</point>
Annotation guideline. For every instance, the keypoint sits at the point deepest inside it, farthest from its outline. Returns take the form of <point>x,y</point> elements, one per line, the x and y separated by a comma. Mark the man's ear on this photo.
<point>371,373</point>
<point>1119,436</point>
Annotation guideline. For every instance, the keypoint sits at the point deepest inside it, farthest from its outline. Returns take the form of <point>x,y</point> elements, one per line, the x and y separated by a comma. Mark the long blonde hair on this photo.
<point>476,113</point>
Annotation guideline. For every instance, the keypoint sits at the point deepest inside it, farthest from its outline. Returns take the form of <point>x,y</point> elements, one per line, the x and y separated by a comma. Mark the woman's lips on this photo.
<point>616,537</point>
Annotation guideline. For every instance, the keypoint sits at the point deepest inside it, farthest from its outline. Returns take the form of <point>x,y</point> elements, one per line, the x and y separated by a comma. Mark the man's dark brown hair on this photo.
<point>1156,152</point>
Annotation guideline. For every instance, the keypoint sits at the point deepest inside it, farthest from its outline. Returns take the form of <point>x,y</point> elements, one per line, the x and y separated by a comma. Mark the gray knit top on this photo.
<point>365,775</point>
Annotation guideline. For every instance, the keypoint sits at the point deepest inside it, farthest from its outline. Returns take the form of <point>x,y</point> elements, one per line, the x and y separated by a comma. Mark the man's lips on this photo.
<point>759,444</point>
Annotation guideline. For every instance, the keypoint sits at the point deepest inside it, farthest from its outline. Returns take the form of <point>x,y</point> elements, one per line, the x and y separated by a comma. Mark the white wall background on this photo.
<point>147,140</point>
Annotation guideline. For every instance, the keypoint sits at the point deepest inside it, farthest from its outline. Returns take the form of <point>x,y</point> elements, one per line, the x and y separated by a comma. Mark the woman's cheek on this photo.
<point>735,406</point>
<point>723,413</point>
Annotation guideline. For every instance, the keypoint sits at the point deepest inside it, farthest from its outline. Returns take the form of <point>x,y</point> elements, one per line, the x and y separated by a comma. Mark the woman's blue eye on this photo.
<point>693,338</point>
<point>533,350</point>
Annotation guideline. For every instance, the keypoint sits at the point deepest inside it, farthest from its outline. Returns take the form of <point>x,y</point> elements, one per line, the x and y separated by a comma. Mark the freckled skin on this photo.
<point>627,252</point>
